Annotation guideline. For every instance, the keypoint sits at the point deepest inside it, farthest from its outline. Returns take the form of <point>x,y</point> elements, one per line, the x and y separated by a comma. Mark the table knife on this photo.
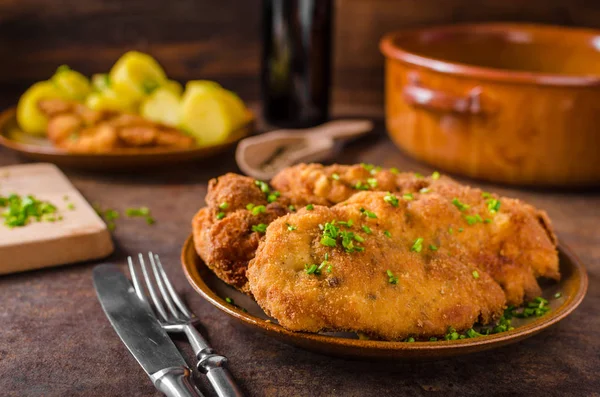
<point>140,331</point>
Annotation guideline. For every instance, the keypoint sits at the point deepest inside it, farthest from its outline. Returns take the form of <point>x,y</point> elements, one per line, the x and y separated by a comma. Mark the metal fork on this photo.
<point>179,319</point>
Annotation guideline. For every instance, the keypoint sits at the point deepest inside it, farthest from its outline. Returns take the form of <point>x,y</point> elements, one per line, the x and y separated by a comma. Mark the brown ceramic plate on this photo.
<point>572,287</point>
<point>41,149</point>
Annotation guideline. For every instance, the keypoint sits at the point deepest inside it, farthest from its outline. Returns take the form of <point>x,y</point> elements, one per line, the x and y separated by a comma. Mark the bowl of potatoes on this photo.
<point>132,116</point>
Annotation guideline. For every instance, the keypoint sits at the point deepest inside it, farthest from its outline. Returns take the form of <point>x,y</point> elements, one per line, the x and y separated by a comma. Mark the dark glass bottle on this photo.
<point>296,61</point>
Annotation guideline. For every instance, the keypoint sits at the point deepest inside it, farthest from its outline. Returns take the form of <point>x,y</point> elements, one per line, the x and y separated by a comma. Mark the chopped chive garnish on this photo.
<point>224,205</point>
<point>493,205</point>
<point>361,186</point>
<point>335,177</point>
<point>424,190</point>
<point>321,266</point>
<point>71,206</point>
<point>328,241</point>
<point>391,278</point>
<point>291,227</point>
<point>249,206</point>
<point>348,223</point>
<point>368,213</point>
<point>433,247</point>
<point>435,175</point>
<point>391,199</point>
<point>486,195</point>
<point>459,205</point>
<point>409,339</point>
<point>110,215</point>
<point>220,215</point>
<point>273,197</point>
<point>366,229</point>
<point>311,269</point>
<point>408,196</point>
<point>460,230</point>
<point>375,170</point>
<point>433,339</point>
<point>450,231</point>
<point>394,170</point>
<point>387,234</point>
<point>557,295</point>
<point>418,175</point>
<point>487,221</point>
<point>150,220</point>
<point>142,211</point>
<point>372,182</point>
<point>473,219</point>
<point>417,245</point>
<point>310,207</point>
<point>359,238</point>
<point>261,228</point>
<point>259,209</point>
<point>291,208</point>
<point>367,167</point>
<point>229,300</point>
<point>263,186</point>
<point>475,274</point>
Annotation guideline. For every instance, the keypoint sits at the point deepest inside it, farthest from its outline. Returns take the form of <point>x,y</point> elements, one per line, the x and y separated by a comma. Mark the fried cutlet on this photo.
<point>373,264</point>
<point>516,246</point>
<point>223,231</point>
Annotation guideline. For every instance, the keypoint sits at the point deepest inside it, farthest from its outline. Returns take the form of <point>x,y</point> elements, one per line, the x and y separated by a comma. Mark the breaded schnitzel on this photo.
<point>374,265</point>
<point>511,240</point>
<point>227,231</point>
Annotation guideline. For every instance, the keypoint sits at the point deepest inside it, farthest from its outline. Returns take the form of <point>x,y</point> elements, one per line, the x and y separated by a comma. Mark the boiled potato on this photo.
<point>237,108</point>
<point>109,100</point>
<point>200,87</point>
<point>211,115</point>
<point>75,85</point>
<point>174,87</point>
<point>136,75</point>
<point>162,106</point>
<point>29,116</point>
<point>100,82</point>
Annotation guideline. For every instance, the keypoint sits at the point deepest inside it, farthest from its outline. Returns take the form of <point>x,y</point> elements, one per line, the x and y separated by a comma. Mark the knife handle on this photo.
<point>175,382</point>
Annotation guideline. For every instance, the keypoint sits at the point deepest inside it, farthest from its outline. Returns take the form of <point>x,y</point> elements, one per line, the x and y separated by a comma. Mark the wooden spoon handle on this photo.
<point>342,129</point>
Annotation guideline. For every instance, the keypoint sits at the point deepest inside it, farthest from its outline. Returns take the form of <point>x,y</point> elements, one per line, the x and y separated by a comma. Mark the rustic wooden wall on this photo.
<point>220,39</point>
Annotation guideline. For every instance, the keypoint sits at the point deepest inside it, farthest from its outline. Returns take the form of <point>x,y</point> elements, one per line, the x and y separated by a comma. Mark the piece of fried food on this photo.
<point>76,128</point>
<point>512,240</point>
<point>227,231</point>
<point>373,265</point>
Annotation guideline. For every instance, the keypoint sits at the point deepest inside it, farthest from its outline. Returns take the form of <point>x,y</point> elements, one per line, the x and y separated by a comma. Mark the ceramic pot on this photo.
<point>510,103</point>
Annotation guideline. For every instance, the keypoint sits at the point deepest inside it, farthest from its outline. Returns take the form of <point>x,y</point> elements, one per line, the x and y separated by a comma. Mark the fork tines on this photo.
<point>167,292</point>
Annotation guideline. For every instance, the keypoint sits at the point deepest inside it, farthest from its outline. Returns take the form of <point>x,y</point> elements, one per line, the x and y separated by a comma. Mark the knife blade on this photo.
<point>140,331</point>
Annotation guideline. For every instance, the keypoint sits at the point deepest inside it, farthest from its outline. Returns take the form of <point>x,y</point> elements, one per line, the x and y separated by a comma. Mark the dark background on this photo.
<point>219,39</point>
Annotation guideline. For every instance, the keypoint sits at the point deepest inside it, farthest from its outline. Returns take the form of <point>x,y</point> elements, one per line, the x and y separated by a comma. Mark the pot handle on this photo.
<point>417,95</point>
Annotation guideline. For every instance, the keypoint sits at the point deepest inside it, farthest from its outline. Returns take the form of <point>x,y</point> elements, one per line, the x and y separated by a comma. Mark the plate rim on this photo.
<point>10,113</point>
<point>383,347</point>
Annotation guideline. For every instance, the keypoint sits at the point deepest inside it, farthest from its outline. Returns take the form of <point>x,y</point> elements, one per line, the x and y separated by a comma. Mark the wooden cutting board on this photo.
<point>79,236</point>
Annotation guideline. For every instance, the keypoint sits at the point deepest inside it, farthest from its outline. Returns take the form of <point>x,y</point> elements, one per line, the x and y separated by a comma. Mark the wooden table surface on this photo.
<point>56,341</point>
